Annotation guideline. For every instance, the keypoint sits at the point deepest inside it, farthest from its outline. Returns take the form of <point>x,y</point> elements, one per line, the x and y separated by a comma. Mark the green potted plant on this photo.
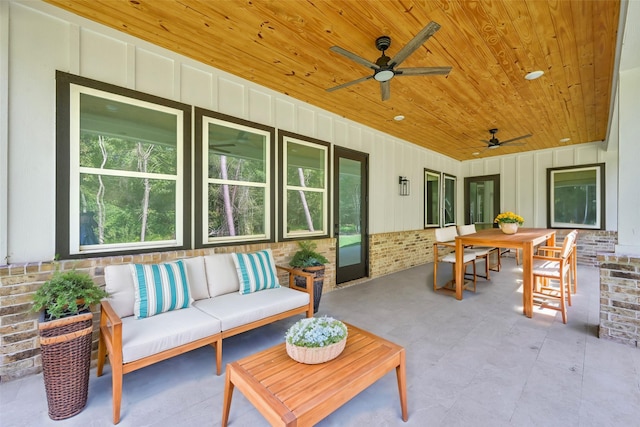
<point>316,339</point>
<point>67,294</point>
<point>310,261</point>
<point>65,327</point>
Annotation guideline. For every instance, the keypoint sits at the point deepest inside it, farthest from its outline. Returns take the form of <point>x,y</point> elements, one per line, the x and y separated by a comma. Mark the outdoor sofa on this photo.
<point>158,311</point>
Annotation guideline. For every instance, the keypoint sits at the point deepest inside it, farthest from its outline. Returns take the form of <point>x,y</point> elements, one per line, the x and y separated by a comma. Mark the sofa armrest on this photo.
<point>111,331</point>
<point>309,277</point>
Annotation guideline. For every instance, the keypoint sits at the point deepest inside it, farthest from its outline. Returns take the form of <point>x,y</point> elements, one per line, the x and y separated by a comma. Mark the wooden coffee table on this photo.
<point>288,393</point>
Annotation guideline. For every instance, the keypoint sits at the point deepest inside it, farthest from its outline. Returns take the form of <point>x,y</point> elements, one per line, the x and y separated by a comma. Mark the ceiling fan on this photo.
<point>384,67</point>
<point>496,143</point>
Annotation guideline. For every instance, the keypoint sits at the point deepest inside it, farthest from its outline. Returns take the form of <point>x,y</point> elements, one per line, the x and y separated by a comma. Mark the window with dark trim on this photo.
<point>123,170</point>
<point>234,180</point>
<point>439,199</point>
<point>575,197</point>
<point>304,199</point>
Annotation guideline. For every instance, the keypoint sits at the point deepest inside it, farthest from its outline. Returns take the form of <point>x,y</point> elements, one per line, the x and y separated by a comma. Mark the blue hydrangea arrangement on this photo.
<point>316,332</point>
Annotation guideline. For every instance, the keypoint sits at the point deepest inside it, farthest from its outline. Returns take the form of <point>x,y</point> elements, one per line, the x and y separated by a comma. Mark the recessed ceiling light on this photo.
<point>477,153</point>
<point>565,140</point>
<point>534,75</point>
<point>398,118</point>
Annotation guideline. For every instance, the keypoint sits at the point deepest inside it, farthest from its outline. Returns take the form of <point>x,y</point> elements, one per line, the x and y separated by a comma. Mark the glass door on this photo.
<point>481,200</point>
<point>351,214</point>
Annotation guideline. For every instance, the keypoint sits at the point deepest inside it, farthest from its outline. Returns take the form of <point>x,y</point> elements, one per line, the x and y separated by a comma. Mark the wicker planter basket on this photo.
<point>65,345</point>
<point>318,283</point>
<point>315,355</point>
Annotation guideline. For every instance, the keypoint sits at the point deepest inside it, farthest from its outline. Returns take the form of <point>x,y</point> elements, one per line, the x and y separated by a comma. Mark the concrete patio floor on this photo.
<point>475,362</point>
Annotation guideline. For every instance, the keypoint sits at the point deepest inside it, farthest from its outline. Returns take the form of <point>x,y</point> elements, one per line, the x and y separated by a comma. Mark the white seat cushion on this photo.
<point>234,309</point>
<point>547,268</point>
<point>467,257</point>
<point>145,337</point>
<point>479,251</point>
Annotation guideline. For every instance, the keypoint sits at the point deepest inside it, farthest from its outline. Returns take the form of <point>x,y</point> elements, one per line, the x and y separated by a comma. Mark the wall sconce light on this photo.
<point>404,186</point>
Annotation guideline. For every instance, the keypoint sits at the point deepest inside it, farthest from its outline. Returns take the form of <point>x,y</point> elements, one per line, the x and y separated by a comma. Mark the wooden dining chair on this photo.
<point>551,250</point>
<point>547,270</point>
<point>445,240</point>
<point>482,252</point>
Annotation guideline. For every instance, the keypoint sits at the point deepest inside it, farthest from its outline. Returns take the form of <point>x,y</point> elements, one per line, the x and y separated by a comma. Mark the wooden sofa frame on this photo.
<point>110,343</point>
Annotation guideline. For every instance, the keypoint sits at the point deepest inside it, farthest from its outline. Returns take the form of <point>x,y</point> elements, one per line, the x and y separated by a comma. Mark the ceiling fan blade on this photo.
<point>508,141</point>
<point>343,85</point>
<point>512,145</point>
<point>414,43</point>
<point>219,150</point>
<point>385,88</point>
<point>354,57</point>
<point>423,71</point>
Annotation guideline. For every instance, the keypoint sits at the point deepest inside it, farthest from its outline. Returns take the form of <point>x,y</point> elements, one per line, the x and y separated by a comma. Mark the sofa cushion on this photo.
<point>256,271</point>
<point>235,309</point>
<point>196,277</point>
<point>221,274</point>
<point>160,288</point>
<point>119,284</point>
<point>146,337</point>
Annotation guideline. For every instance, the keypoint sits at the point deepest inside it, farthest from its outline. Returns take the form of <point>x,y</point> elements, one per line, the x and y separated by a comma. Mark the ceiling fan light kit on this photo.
<point>384,67</point>
<point>384,75</point>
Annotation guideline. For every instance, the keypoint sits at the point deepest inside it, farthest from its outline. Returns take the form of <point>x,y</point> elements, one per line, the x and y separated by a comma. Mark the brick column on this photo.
<point>620,298</point>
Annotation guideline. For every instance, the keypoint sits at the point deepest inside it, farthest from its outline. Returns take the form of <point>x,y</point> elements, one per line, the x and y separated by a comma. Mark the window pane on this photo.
<point>236,182</point>
<point>236,210</point>
<point>575,197</point>
<point>236,154</point>
<point>305,166</point>
<point>115,135</point>
<point>305,211</point>
<point>449,200</point>
<point>123,209</point>
<point>431,199</point>
<point>350,212</point>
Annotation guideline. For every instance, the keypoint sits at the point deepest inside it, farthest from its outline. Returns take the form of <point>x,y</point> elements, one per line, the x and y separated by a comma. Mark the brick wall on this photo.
<point>590,243</point>
<point>620,299</point>
<point>391,252</point>
<point>19,345</point>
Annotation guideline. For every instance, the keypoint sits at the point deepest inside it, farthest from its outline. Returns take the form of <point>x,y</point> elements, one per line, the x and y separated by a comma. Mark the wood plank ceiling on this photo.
<point>491,45</point>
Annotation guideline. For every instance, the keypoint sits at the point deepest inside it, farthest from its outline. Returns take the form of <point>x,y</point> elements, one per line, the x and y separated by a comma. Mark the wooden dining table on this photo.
<point>526,239</point>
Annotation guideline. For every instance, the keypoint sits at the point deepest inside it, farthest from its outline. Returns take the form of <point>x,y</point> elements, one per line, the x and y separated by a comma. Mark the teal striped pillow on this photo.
<point>256,271</point>
<point>160,288</point>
